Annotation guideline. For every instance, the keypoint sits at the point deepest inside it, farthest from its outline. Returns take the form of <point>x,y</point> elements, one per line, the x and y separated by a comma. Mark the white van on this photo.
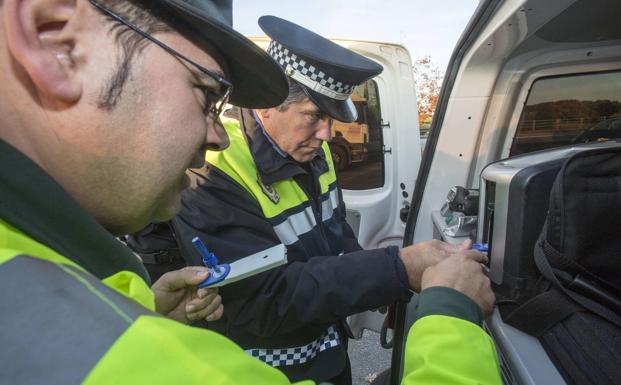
<point>525,76</point>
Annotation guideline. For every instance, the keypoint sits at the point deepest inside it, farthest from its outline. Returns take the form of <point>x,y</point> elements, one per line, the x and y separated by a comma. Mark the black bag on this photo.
<point>577,313</point>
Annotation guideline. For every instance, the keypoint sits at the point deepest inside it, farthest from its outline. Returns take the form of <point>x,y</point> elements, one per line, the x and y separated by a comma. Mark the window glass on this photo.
<point>357,146</point>
<point>569,110</point>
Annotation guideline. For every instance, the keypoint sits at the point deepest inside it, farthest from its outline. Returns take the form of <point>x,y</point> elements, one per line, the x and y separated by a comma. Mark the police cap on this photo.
<point>327,71</point>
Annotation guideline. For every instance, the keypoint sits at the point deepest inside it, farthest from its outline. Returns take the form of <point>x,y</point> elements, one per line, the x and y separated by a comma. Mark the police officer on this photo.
<point>276,183</point>
<point>104,105</point>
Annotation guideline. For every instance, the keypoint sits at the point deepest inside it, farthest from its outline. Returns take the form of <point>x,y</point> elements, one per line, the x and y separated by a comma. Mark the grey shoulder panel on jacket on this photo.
<point>57,320</point>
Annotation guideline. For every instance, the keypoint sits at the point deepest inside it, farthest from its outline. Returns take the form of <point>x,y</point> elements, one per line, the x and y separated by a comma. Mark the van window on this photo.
<point>357,146</point>
<point>569,110</point>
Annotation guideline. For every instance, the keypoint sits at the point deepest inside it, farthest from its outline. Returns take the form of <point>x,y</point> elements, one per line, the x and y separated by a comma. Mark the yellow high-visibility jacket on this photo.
<point>75,308</point>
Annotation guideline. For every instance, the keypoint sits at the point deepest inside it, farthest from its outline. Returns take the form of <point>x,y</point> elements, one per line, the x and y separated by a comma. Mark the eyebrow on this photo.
<point>311,110</point>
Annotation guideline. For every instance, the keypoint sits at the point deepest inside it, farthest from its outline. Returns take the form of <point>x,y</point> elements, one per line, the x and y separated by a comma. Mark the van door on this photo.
<point>521,79</point>
<point>378,175</point>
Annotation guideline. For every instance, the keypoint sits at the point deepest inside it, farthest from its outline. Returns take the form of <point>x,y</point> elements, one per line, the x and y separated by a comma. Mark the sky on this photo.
<point>424,27</point>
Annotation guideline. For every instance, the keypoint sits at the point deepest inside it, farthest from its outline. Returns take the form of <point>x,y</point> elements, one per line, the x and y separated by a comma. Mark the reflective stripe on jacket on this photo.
<point>285,203</point>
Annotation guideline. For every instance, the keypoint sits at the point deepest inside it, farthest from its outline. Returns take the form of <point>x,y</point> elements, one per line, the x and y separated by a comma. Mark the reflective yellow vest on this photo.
<point>284,203</point>
<point>61,325</point>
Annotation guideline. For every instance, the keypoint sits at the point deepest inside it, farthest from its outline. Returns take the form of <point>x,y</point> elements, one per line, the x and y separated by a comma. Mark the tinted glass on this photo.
<point>357,146</point>
<point>569,110</point>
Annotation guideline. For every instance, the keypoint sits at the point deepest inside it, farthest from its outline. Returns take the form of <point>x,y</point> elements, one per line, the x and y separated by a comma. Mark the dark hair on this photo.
<point>146,16</point>
<point>296,94</point>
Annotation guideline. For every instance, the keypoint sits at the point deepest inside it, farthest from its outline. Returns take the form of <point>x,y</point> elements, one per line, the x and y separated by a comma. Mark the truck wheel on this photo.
<point>339,155</point>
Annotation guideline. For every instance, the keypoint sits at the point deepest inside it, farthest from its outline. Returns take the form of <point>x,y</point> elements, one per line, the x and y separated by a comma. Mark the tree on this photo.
<point>428,79</point>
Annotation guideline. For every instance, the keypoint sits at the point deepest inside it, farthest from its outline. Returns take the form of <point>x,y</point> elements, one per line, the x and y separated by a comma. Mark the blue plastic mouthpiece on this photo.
<point>217,272</point>
<point>209,259</point>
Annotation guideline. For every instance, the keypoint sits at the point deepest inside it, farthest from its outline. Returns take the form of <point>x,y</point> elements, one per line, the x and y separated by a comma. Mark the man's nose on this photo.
<point>217,139</point>
<point>324,131</point>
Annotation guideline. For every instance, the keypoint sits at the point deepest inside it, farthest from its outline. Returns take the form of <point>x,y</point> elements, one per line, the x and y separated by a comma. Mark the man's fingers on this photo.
<point>216,315</point>
<point>487,299</point>
<point>188,276</point>
<point>213,306</point>
<point>204,311</point>
<point>205,291</point>
<point>465,245</point>
<point>475,256</point>
<point>453,248</point>
<point>197,304</point>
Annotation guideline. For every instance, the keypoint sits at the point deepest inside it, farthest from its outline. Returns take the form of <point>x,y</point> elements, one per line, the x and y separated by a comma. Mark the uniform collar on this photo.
<point>271,165</point>
<point>34,203</point>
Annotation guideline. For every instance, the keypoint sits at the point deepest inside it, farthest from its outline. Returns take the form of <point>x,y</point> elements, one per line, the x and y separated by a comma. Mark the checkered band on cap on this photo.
<point>307,74</point>
<point>297,355</point>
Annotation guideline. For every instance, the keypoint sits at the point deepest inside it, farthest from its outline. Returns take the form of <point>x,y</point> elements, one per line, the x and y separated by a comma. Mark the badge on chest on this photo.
<point>269,191</point>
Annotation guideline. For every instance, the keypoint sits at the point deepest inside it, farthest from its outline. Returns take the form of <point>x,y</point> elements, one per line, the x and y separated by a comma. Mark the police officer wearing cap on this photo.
<point>276,183</point>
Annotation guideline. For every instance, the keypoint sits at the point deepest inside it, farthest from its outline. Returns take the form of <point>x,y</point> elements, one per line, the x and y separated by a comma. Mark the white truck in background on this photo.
<point>350,141</point>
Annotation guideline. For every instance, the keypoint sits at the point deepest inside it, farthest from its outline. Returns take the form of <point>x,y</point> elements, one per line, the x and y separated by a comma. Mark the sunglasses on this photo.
<point>217,99</point>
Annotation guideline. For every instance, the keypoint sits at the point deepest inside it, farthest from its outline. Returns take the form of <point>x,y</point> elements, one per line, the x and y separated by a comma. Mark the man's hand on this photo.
<point>177,297</point>
<point>463,272</point>
<point>420,256</point>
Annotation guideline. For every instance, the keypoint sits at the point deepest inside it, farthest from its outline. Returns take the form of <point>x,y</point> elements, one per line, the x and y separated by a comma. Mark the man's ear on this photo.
<point>38,41</point>
<point>264,113</point>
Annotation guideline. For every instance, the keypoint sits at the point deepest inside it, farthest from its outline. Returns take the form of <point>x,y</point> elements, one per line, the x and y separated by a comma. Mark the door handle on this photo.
<point>403,213</point>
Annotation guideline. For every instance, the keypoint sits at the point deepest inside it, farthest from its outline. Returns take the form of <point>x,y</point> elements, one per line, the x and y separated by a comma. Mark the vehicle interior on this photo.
<point>528,83</point>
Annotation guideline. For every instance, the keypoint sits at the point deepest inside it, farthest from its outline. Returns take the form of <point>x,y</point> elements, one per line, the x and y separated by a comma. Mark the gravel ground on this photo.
<point>367,358</point>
